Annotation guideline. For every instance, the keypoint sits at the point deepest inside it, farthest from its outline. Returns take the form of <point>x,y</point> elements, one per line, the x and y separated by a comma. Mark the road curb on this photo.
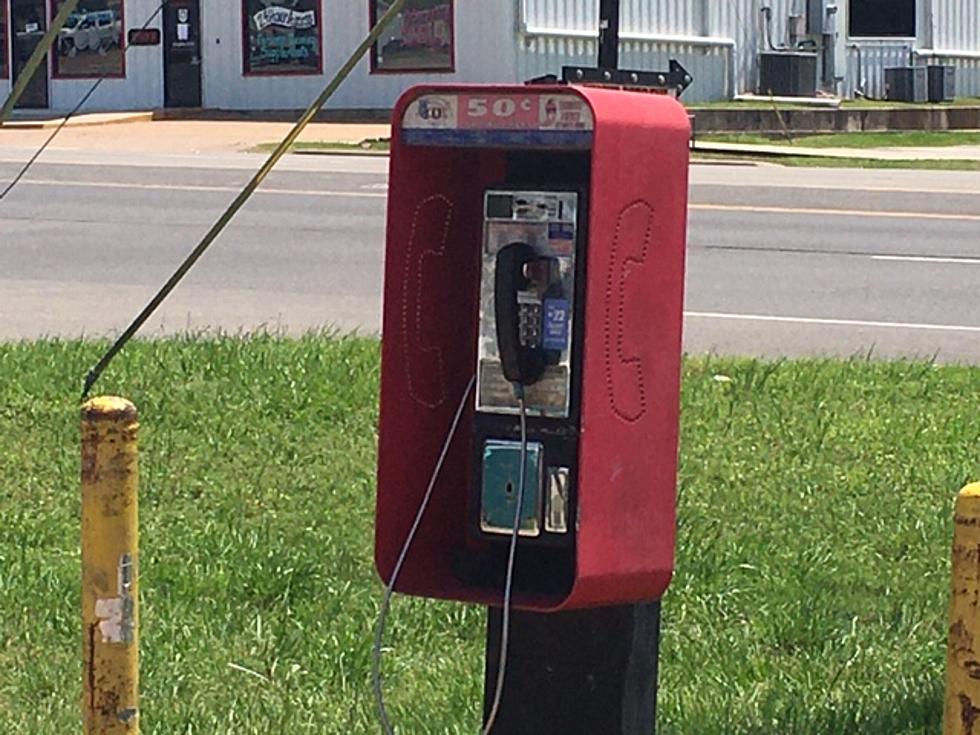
<point>96,119</point>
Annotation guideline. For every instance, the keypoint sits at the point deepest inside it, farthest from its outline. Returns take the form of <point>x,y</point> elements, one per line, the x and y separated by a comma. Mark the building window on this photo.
<point>282,36</point>
<point>92,43</point>
<point>4,47</point>
<point>421,38</point>
<point>882,18</point>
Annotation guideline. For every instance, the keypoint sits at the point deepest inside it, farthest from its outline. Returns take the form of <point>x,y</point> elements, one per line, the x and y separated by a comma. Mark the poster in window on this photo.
<point>3,40</point>
<point>92,42</point>
<point>282,37</point>
<point>419,39</point>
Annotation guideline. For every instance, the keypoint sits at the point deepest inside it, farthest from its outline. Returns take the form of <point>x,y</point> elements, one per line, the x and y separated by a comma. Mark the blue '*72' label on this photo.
<point>556,323</point>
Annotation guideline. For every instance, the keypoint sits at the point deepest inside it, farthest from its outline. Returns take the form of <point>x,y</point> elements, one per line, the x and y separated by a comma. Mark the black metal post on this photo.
<point>608,34</point>
<point>576,673</point>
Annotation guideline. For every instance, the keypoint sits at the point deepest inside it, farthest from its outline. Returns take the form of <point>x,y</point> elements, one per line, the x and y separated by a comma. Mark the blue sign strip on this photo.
<point>557,313</point>
<point>578,139</point>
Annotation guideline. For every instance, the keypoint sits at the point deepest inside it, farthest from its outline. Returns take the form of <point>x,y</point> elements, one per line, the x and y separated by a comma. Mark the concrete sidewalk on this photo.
<point>177,136</point>
<point>46,119</point>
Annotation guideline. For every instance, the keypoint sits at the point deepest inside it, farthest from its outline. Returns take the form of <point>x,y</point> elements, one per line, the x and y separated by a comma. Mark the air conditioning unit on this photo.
<point>906,84</point>
<point>788,74</point>
<point>942,83</point>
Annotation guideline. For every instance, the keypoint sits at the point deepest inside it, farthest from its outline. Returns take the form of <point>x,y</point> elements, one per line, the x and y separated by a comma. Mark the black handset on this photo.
<point>522,281</point>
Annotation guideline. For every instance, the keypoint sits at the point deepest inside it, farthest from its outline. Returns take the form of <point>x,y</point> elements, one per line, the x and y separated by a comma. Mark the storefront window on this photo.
<point>419,39</point>
<point>92,42</point>
<point>877,18</point>
<point>282,36</point>
<point>4,49</point>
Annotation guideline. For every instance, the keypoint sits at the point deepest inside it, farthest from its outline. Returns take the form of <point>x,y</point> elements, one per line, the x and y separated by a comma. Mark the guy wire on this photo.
<point>390,587</point>
<point>403,554</point>
<point>250,188</point>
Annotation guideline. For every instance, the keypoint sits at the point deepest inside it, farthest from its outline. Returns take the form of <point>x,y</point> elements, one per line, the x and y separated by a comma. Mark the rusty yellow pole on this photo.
<point>110,590</point>
<point>962,710</point>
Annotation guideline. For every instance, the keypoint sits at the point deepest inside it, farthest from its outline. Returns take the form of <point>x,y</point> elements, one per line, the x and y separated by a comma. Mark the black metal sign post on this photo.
<point>608,34</point>
<point>583,672</point>
<point>673,81</point>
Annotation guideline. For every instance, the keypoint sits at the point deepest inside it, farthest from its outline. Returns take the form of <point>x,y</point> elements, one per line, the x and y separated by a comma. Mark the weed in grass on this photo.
<point>810,594</point>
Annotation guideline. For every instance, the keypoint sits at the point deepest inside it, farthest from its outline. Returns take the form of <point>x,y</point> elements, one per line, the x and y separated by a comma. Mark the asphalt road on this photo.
<point>781,261</point>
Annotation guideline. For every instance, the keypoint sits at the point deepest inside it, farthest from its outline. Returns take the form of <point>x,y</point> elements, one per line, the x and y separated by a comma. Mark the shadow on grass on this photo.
<point>915,710</point>
<point>915,713</point>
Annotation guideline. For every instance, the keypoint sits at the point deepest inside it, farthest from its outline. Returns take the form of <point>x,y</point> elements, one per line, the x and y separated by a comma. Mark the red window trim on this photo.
<point>56,73</point>
<point>451,69</point>
<point>311,72</point>
<point>5,60</point>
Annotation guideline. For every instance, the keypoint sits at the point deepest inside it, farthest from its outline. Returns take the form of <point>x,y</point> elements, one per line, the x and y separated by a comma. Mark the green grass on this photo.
<point>921,165</point>
<point>840,162</point>
<point>895,139</point>
<point>370,145</point>
<point>871,104</point>
<point>812,570</point>
<point>762,104</point>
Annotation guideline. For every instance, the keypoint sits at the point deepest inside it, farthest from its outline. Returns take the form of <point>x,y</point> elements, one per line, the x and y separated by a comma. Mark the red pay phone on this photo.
<point>531,343</point>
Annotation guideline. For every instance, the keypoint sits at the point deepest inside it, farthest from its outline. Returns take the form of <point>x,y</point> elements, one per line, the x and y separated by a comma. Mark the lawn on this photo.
<point>812,572</point>
<point>927,164</point>
<point>892,139</point>
<point>764,104</point>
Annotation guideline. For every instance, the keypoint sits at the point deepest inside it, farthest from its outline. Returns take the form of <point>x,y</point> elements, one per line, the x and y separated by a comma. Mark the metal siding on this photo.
<point>484,52</point>
<point>968,82</point>
<point>570,15</point>
<point>710,65</point>
<point>956,25</point>
<point>681,17</point>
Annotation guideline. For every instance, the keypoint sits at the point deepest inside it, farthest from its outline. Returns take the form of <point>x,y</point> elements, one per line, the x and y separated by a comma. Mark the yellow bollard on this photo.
<point>962,710</point>
<point>110,590</point>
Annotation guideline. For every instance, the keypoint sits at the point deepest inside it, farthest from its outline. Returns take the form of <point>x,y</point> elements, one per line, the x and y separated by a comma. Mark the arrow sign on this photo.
<point>674,81</point>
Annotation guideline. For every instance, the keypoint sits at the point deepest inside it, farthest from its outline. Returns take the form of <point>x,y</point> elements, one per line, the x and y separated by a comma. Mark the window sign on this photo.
<point>419,39</point>
<point>4,46</point>
<point>91,44</point>
<point>282,37</point>
<point>183,25</point>
<point>882,18</point>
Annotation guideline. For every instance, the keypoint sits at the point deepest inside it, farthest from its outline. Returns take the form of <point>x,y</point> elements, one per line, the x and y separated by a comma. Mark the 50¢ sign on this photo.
<point>500,112</point>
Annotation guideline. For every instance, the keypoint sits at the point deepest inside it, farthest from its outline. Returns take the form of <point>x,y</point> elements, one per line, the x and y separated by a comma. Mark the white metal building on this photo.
<point>277,54</point>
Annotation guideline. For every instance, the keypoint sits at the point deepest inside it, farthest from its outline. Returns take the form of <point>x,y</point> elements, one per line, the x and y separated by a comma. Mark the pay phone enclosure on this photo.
<point>602,417</point>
